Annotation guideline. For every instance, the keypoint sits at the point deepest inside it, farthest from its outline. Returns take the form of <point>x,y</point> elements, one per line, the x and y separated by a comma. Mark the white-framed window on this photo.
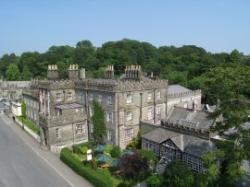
<point>110,100</point>
<point>129,133</point>
<point>150,96</point>
<point>129,116</point>
<point>91,97</point>
<point>69,96</point>
<point>129,98</point>
<point>58,135</point>
<point>80,129</point>
<point>150,113</point>
<point>100,98</point>
<point>109,135</point>
<point>110,117</point>
<point>158,95</point>
<point>158,110</point>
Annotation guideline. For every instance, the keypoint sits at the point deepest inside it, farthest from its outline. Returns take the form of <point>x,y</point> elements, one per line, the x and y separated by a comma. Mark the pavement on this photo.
<point>25,163</point>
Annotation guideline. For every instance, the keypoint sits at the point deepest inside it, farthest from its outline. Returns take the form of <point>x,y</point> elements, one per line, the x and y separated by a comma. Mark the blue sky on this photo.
<point>35,25</point>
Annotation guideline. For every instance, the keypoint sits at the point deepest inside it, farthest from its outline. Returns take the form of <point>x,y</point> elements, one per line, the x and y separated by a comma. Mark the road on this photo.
<point>26,165</point>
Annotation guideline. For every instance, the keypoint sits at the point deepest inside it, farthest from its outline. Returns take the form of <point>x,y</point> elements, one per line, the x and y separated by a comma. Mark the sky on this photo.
<point>36,25</point>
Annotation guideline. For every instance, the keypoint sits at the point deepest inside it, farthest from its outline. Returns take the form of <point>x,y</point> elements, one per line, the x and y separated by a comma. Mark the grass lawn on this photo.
<point>30,124</point>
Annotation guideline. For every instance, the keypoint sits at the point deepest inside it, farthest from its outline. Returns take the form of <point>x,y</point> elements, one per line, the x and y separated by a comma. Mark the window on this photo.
<point>59,112</point>
<point>129,99</point>
<point>109,135</point>
<point>150,96</point>
<point>90,112</point>
<point>129,133</point>
<point>110,100</point>
<point>80,129</point>
<point>69,96</point>
<point>150,113</point>
<point>158,110</point>
<point>99,98</point>
<point>110,117</point>
<point>58,97</point>
<point>91,97</point>
<point>158,95</point>
<point>129,116</point>
<point>58,133</point>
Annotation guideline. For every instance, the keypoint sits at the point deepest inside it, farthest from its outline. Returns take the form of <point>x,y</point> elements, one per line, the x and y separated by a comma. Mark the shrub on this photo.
<point>116,152</point>
<point>108,148</point>
<point>97,177</point>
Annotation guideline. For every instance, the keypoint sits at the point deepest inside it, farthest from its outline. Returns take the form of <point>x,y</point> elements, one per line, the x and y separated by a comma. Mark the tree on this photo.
<point>99,130</point>
<point>23,108</point>
<point>178,174</point>
<point>154,181</point>
<point>26,74</point>
<point>235,57</point>
<point>149,156</point>
<point>132,166</point>
<point>116,152</point>
<point>13,73</point>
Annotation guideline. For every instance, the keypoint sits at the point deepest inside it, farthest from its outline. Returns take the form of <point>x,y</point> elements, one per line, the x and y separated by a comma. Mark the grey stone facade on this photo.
<point>12,90</point>
<point>127,101</point>
<point>30,97</point>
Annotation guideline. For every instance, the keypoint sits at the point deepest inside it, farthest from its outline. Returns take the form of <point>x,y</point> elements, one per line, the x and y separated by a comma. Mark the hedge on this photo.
<point>30,124</point>
<point>96,177</point>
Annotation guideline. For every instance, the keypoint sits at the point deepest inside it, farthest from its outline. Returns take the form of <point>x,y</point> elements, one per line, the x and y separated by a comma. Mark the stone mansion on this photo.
<point>62,109</point>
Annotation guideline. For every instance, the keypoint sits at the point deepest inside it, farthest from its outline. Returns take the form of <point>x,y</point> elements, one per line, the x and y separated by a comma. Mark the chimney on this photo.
<point>52,72</point>
<point>73,72</point>
<point>109,72</point>
<point>195,106</point>
<point>133,72</point>
<point>82,74</point>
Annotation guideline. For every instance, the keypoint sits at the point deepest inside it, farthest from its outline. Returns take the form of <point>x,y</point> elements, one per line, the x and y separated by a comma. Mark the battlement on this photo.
<point>185,94</point>
<point>56,84</point>
<point>192,129</point>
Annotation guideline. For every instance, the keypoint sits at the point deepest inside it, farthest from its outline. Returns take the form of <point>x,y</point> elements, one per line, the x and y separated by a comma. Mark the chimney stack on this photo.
<point>82,73</point>
<point>73,72</point>
<point>133,72</point>
<point>109,72</point>
<point>52,72</point>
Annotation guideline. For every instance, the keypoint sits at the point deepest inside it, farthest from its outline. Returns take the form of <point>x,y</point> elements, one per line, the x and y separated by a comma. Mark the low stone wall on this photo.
<point>30,132</point>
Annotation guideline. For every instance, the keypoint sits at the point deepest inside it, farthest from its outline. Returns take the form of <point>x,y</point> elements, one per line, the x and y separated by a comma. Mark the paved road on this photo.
<point>24,164</point>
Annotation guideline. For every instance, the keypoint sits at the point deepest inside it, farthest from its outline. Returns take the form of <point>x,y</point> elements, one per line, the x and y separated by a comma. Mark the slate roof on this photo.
<point>197,146</point>
<point>189,144</point>
<point>69,106</point>
<point>189,118</point>
<point>159,135</point>
<point>176,88</point>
